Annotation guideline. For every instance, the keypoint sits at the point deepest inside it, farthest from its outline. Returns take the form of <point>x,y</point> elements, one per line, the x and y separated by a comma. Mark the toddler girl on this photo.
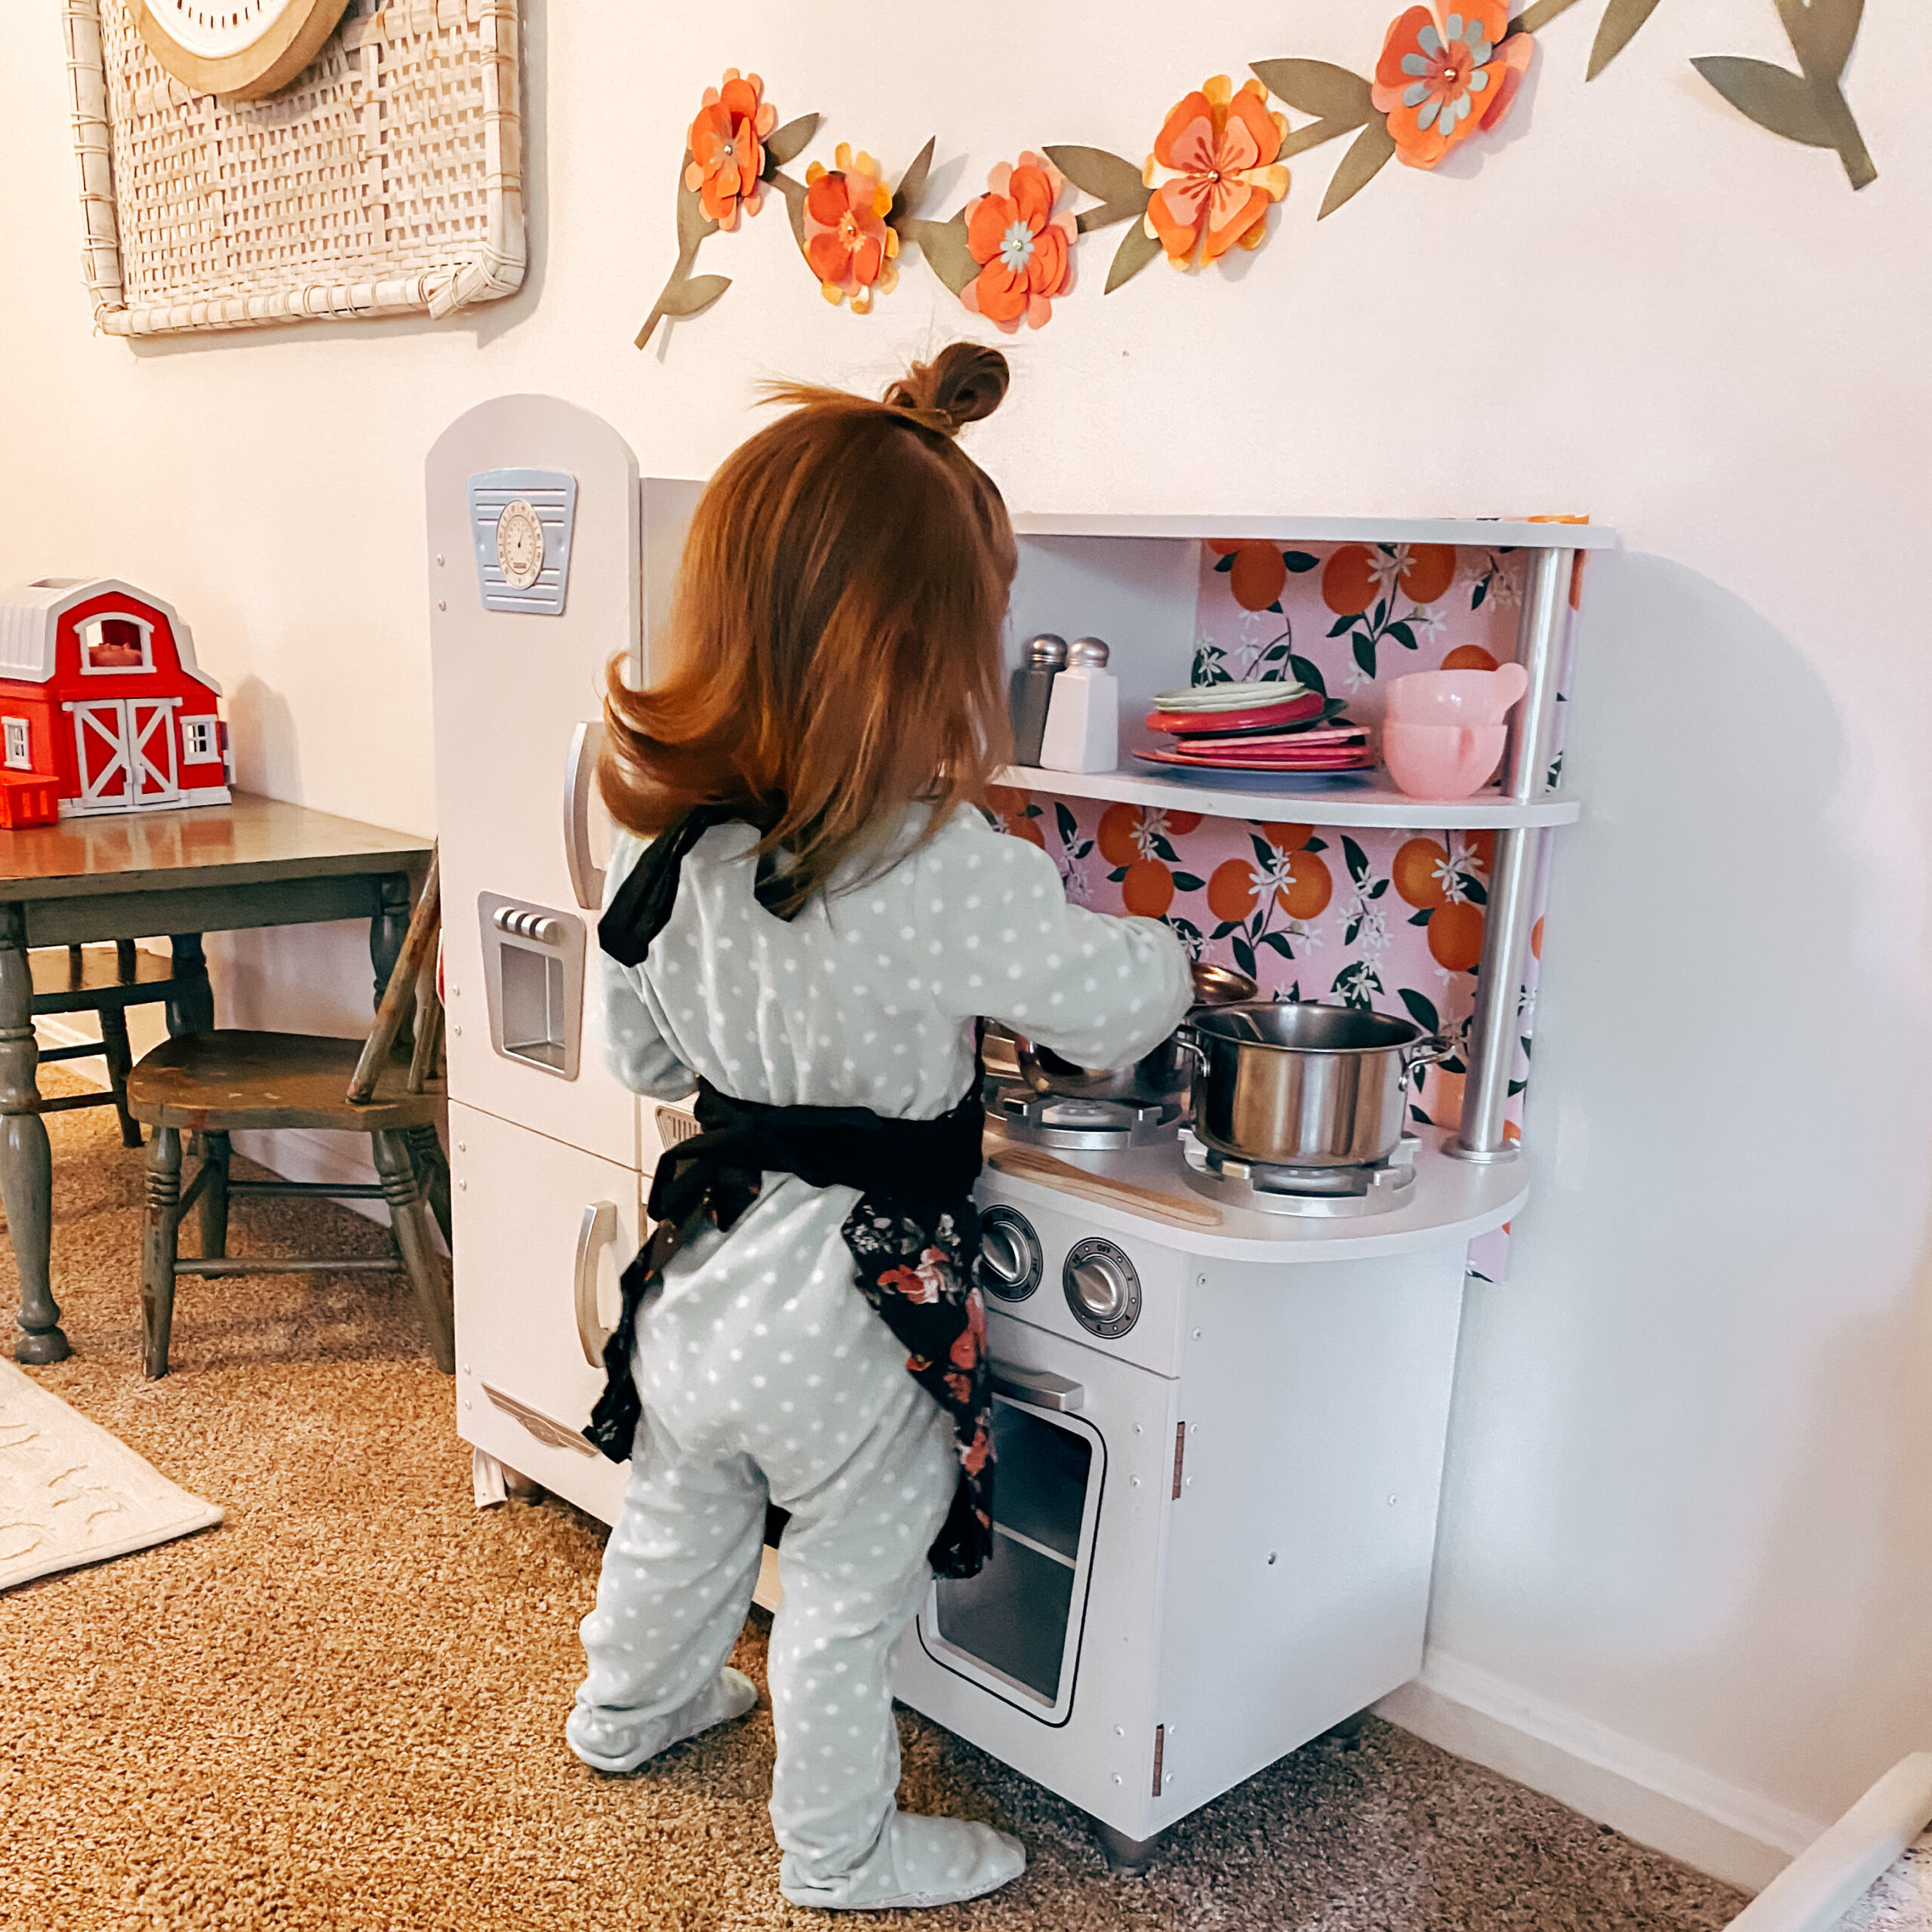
<point>820,917</point>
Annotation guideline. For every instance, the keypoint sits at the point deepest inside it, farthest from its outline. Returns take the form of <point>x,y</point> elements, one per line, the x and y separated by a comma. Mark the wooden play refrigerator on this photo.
<point>1220,1433</point>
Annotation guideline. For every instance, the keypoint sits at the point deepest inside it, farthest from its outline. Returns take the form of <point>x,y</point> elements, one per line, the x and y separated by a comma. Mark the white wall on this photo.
<point>1687,1534</point>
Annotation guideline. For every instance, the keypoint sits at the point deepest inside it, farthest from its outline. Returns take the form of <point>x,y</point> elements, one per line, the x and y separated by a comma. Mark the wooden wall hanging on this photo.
<point>386,179</point>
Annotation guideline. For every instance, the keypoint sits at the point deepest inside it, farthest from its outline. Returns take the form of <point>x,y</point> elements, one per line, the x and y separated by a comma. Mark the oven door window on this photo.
<point>1015,1627</point>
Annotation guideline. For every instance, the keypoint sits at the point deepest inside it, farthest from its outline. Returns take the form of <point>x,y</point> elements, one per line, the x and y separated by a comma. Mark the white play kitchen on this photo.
<point>1225,1287</point>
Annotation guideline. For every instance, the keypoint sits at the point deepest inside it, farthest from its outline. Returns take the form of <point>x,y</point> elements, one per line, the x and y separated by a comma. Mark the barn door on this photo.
<point>100,739</point>
<point>126,753</point>
<point>150,740</point>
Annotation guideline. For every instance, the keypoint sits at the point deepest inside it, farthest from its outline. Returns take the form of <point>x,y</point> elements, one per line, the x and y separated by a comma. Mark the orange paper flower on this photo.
<point>1025,251</point>
<point>846,241</point>
<point>1442,76</point>
<point>726,142</point>
<point>1213,172</point>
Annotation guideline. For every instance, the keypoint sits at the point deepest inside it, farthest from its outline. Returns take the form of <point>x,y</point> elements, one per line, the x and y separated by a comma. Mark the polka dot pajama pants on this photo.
<point>678,1577</point>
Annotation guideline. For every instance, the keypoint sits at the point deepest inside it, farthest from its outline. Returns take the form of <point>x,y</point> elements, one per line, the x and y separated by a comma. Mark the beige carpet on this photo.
<point>343,1708</point>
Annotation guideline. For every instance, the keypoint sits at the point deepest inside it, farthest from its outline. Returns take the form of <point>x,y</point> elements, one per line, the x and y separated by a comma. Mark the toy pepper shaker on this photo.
<point>1032,690</point>
<point>1083,716</point>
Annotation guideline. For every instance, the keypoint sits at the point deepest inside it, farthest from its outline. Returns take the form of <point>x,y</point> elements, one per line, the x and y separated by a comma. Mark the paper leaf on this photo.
<point>1318,87</point>
<point>1778,100</point>
<point>1368,154</point>
<point>912,185</point>
<point>943,244</point>
<point>1137,249</point>
<point>1532,19</point>
<point>1821,33</point>
<point>694,224</point>
<point>1107,177</point>
<point>794,192</point>
<point>788,142</point>
<point>688,297</point>
<point>1621,20</point>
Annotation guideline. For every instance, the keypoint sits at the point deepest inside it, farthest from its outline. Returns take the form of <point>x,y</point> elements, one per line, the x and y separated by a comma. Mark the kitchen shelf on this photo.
<point>1454,1201</point>
<point>1324,802</point>
<point>1482,532</point>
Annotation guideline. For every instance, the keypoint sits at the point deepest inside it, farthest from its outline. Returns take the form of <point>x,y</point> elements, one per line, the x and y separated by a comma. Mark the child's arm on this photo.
<point>1098,990</point>
<point>634,1046</point>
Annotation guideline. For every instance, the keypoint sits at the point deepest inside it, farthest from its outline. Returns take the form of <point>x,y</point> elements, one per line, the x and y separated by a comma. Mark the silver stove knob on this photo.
<point>1101,1287</point>
<point>1000,1255</point>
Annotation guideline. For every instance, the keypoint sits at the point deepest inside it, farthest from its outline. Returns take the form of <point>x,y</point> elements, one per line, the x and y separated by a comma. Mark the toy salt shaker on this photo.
<point>1031,689</point>
<point>1083,716</point>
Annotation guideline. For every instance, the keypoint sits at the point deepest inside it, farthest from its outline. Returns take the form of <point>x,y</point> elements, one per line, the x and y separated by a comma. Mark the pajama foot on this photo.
<point>611,1742</point>
<point>918,1861</point>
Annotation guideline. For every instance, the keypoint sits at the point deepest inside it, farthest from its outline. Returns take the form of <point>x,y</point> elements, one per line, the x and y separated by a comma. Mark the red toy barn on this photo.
<point>102,706</point>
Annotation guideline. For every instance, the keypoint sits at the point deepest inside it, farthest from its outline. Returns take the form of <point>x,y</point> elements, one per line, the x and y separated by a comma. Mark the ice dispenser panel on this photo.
<point>533,970</point>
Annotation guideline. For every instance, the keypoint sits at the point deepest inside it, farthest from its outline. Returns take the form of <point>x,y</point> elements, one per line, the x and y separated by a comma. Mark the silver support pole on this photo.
<point>1505,939</point>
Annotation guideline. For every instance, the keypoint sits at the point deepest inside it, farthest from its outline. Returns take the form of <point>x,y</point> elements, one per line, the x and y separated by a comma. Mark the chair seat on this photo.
<point>61,986</point>
<point>224,1081</point>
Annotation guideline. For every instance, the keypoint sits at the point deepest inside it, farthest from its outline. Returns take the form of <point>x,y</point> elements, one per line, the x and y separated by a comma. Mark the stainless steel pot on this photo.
<point>1156,1078</point>
<point>1304,1085</point>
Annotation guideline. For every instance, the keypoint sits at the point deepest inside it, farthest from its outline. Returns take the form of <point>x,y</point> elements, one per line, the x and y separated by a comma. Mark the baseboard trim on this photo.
<point>1662,1801</point>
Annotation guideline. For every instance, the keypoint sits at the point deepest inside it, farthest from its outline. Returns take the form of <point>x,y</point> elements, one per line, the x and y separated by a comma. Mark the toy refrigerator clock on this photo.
<point>242,48</point>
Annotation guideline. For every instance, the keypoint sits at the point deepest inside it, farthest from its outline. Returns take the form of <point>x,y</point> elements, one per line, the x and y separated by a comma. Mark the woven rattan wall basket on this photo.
<point>386,179</point>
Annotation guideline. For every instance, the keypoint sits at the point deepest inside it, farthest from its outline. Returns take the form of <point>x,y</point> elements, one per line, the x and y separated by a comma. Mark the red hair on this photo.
<point>834,635</point>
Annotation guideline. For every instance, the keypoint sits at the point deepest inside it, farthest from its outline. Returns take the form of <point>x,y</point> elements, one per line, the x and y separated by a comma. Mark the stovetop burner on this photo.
<point>1081,1125</point>
<point>1324,1192</point>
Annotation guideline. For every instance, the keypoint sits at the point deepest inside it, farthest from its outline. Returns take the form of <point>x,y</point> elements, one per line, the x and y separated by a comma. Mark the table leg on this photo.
<point>26,1162</point>
<point>191,1008</point>
<point>387,929</point>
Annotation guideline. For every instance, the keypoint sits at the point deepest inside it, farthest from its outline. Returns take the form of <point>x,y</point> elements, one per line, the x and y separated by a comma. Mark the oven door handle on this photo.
<point>596,1232</point>
<point>579,776</point>
<point>1039,1386</point>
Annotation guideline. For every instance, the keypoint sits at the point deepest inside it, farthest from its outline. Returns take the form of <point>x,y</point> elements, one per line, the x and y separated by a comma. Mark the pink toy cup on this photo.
<point>1456,698</point>
<point>1442,761</point>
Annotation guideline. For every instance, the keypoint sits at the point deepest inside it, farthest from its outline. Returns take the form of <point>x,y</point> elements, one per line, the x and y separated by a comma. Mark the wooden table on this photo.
<point>258,862</point>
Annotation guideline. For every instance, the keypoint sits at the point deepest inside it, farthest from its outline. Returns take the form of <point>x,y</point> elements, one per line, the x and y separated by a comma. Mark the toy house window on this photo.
<point>116,643</point>
<point>19,748</point>
<point>198,741</point>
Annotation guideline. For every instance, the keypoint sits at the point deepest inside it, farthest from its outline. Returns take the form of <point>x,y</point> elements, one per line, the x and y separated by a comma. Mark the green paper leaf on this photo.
<point>1110,178</point>
<point>694,224</point>
<point>1137,249</point>
<point>1780,102</point>
<point>1821,33</point>
<point>943,244</point>
<point>1531,19</point>
<point>1369,153</point>
<point>688,297</point>
<point>1621,20</point>
<point>912,185</point>
<point>788,142</point>
<point>794,192</point>
<point>1318,87</point>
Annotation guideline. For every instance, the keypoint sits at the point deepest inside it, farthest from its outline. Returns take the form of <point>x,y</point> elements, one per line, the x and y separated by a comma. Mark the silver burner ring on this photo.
<point>1321,1193</point>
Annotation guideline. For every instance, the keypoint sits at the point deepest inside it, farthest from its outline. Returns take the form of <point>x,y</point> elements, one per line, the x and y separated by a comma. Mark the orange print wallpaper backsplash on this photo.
<point>1391,920</point>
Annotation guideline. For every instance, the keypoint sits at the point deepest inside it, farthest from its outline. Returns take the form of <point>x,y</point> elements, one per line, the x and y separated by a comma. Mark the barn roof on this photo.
<point>30,616</point>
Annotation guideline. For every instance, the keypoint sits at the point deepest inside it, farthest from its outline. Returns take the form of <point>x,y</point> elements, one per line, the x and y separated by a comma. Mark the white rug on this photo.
<point>70,1493</point>
<point>1901,1899</point>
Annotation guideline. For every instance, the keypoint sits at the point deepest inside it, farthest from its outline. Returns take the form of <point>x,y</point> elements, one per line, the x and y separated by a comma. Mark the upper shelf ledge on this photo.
<point>1473,531</point>
<point>1314,800</point>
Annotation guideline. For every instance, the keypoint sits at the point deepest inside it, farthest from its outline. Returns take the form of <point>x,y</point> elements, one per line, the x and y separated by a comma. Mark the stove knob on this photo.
<point>1102,1289</point>
<point>1009,1255</point>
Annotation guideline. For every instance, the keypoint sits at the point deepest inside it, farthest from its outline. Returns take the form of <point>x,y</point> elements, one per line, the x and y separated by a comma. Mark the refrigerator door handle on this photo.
<point>579,775</point>
<point>596,1232</point>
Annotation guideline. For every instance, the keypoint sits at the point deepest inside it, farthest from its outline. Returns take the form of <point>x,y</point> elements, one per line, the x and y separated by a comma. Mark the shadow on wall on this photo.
<point>1685,1494</point>
<point>267,749</point>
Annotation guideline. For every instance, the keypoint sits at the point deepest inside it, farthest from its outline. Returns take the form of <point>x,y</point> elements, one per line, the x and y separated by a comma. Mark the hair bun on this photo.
<point>964,382</point>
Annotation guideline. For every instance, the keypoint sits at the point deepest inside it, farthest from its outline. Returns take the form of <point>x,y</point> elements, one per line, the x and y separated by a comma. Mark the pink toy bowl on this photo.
<point>1442,761</point>
<point>1456,698</point>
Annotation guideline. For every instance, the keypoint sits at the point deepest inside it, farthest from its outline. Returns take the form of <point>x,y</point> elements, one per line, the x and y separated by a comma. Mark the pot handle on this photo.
<point>1427,1052</point>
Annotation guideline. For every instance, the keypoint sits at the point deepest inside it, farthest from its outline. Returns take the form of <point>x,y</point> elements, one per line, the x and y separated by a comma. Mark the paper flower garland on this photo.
<point>1218,162</point>
<point>1213,172</point>
<point>847,244</point>
<point>1023,249</point>
<point>1443,75</point>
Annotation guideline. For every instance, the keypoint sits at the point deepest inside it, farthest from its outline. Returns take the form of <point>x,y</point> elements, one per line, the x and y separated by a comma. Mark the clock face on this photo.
<point>519,545</point>
<point>244,48</point>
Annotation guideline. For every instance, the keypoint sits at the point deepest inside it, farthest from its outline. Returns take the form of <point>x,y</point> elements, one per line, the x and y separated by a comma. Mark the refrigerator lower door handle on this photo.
<point>596,1232</point>
<point>579,775</point>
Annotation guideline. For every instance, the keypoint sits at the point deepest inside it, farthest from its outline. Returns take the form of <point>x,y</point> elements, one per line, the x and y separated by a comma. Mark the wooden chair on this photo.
<point>215,1084</point>
<point>75,978</point>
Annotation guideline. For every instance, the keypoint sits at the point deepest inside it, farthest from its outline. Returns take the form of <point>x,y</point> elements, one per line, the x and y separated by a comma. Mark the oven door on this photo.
<point>1015,1628</point>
